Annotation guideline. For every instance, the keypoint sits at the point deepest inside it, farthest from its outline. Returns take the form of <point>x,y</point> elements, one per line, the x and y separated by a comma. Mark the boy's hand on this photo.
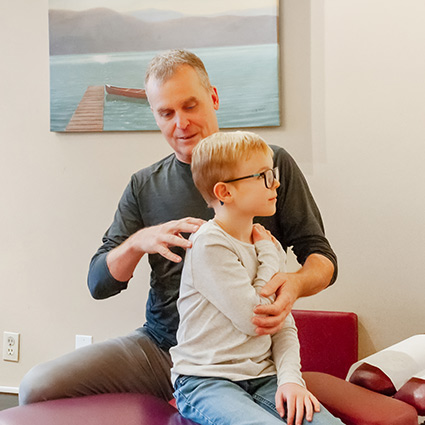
<point>259,233</point>
<point>298,401</point>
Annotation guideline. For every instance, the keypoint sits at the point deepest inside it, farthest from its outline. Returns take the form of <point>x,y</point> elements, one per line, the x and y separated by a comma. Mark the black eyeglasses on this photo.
<point>269,177</point>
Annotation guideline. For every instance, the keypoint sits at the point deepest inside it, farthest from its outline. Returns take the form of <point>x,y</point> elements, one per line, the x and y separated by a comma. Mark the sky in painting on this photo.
<point>190,7</point>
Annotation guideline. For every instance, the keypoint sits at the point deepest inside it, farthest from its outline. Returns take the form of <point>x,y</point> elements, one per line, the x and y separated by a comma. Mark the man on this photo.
<point>159,207</point>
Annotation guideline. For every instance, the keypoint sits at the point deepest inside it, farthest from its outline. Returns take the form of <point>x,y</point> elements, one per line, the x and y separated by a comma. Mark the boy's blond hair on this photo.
<point>215,158</point>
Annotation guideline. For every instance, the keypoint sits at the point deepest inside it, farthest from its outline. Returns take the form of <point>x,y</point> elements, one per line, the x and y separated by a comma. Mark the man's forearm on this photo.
<point>123,259</point>
<point>315,275</point>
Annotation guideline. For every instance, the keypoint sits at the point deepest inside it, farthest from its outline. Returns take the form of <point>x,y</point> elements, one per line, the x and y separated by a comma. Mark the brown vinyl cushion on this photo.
<point>373,379</point>
<point>413,392</point>
<point>356,405</point>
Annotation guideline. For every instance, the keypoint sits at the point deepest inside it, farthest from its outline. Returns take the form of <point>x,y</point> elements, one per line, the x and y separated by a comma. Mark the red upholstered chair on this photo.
<point>328,340</point>
<point>328,348</point>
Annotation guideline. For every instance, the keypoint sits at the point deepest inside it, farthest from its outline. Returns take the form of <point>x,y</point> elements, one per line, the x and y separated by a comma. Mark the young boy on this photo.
<point>223,372</point>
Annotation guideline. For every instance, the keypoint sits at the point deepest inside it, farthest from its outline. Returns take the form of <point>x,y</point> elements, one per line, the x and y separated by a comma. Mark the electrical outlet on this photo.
<point>11,346</point>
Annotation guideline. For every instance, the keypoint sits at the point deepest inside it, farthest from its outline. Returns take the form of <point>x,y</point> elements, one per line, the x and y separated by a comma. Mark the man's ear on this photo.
<point>215,99</point>
<point>221,192</point>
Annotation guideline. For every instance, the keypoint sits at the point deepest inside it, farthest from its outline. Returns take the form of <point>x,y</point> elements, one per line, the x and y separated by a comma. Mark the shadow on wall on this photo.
<point>365,341</point>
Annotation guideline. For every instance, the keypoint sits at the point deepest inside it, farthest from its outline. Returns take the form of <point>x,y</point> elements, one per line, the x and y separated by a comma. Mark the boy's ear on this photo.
<point>221,192</point>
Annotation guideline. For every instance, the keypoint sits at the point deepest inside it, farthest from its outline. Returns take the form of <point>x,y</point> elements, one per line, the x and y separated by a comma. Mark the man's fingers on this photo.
<point>185,225</point>
<point>267,331</point>
<point>272,286</point>
<point>169,235</point>
<point>169,255</point>
<point>175,240</point>
<point>172,240</point>
<point>268,325</point>
<point>279,309</point>
<point>197,221</point>
<point>270,320</point>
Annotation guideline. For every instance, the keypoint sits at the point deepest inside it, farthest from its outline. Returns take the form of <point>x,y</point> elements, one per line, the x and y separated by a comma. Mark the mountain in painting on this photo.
<point>106,31</point>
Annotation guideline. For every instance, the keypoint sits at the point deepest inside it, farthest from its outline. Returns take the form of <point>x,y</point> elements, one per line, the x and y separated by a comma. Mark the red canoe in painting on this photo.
<point>126,92</point>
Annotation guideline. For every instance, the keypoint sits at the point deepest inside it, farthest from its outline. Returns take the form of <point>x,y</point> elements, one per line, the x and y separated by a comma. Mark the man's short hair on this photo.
<point>215,158</point>
<point>164,65</point>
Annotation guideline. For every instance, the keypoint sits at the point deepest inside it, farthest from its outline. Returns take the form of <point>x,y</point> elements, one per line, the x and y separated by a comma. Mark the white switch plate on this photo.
<point>83,340</point>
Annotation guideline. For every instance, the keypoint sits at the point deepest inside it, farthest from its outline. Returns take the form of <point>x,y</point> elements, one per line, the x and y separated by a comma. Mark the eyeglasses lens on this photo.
<point>271,176</point>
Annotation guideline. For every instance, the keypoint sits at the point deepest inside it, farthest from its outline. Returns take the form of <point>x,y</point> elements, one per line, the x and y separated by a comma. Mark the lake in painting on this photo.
<point>248,90</point>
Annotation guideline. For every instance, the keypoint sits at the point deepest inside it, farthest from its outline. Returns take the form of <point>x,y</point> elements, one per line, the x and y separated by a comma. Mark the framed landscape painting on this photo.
<point>99,51</point>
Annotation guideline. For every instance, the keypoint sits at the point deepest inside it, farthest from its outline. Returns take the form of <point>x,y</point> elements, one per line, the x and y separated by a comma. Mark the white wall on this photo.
<point>370,183</point>
<point>353,95</point>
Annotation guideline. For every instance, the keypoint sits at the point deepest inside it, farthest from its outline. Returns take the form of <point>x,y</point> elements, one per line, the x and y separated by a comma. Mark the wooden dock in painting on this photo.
<point>89,113</point>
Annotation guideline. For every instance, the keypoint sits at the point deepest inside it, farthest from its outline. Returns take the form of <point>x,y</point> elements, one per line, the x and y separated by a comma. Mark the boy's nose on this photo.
<point>276,184</point>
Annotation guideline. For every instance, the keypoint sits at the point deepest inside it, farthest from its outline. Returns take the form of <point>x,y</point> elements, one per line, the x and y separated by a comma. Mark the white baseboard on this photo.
<point>9,390</point>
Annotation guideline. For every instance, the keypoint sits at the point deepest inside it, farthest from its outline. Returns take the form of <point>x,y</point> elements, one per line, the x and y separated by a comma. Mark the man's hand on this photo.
<point>269,319</point>
<point>124,258</point>
<point>313,277</point>
<point>158,239</point>
<point>298,401</point>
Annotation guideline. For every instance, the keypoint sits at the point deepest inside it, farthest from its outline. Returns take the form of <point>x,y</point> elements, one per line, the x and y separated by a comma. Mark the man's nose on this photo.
<point>181,121</point>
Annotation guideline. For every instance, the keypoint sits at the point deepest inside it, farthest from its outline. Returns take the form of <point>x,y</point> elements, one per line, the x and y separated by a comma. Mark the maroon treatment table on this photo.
<point>328,348</point>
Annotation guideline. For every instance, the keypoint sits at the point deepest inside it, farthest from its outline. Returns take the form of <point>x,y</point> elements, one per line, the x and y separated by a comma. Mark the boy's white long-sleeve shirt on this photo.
<point>220,286</point>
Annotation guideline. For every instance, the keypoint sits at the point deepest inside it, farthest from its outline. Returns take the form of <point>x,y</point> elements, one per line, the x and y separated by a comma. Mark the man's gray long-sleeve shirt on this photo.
<point>165,191</point>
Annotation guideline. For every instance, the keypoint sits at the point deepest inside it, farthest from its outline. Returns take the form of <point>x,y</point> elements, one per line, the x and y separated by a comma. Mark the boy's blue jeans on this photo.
<point>217,401</point>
